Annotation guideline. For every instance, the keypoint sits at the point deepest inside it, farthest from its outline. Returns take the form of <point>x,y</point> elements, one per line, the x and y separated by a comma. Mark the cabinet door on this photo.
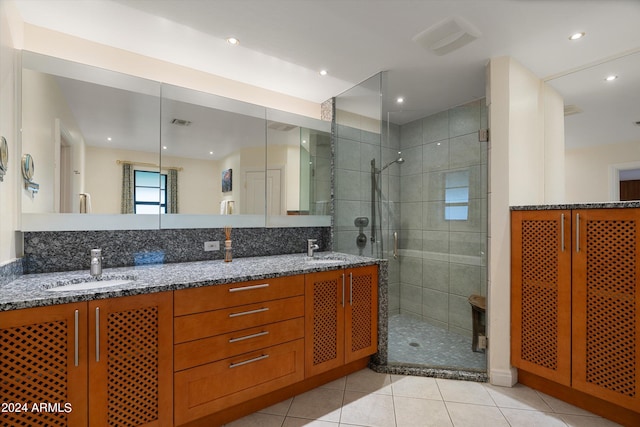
<point>541,293</point>
<point>324,321</point>
<point>43,361</point>
<point>606,304</point>
<point>130,361</point>
<point>361,314</point>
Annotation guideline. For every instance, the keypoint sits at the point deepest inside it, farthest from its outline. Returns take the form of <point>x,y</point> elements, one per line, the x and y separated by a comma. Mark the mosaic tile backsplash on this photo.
<point>49,251</point>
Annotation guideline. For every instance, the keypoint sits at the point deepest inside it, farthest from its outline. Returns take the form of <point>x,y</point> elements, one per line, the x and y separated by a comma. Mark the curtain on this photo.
<point>172,191</point>
<point>127,189</point>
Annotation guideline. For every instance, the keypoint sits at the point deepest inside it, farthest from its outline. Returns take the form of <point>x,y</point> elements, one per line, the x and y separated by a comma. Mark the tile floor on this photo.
<point>366,398</point>
<point>414,341</point>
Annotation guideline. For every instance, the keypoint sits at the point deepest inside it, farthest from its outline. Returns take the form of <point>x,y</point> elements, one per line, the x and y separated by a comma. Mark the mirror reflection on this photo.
<point>128,148</point>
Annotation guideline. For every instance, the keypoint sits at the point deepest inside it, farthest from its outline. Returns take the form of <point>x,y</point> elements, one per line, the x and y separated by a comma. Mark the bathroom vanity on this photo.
<point>575,304</point>
<point>206,342</point>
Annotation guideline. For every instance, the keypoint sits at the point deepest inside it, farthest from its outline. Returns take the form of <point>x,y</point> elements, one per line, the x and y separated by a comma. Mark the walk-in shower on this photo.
<point>427,206</point>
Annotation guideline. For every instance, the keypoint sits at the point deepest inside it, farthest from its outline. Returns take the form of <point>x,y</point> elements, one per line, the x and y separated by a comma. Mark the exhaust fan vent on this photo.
<point>570,110</point>
<point>180,122</point>
<point>447,36</point>
<point>281,126</point>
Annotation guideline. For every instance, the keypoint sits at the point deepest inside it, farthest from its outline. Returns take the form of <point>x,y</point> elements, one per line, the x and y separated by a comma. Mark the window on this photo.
<point>456,196</point>
<point>150,192</point>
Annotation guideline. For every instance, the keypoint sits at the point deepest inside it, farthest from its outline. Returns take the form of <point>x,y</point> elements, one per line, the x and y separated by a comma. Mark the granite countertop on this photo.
<point>586,205</point>
<point>31,290</point>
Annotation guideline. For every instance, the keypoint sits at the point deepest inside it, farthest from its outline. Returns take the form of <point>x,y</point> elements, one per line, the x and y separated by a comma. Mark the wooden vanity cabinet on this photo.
<point>110,359</point>
<point>43,359</point>
<point>236,342</point>
<point>341,317</point>
<point>575,307</point>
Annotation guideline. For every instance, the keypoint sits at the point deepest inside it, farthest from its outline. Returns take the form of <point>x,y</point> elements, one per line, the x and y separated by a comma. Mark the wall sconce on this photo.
<point>28,168</point>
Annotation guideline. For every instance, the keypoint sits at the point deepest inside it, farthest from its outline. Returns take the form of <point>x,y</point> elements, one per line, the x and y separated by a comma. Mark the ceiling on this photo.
<point>284,43</point>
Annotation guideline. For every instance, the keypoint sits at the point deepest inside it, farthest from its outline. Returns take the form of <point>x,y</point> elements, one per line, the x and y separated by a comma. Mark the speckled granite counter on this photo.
<point>590,205</point>
<point>31,290</point>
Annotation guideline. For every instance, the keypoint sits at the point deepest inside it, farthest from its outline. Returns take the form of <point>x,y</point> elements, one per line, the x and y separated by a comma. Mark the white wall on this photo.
<point>588,170</point>
<point>63,46</point>
<point>43,103</point>
<point>524,118</point>
<point>10,40</point>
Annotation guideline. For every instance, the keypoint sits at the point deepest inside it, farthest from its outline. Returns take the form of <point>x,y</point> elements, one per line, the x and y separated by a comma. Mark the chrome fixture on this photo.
<point>96,263</point>
<point>311,247</point>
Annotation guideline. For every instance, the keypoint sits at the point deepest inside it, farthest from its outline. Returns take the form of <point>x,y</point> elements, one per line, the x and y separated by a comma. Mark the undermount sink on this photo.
<point>90,283</point>
<point>326,260</point>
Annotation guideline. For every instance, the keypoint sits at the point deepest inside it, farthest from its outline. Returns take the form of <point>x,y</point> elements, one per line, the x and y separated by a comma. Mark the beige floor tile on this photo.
<point>592,421</point>
<point>338,384</point>
<point>524,418</point>
<point>517,397</point>
<point>464,392</point>
<point>367,381</point>
<point>413,412</point>
<point>279,408</point>
<point>318,404</point>
<point>301,422</point>
<point>562,407</point>
<point>419,387</point>
<point>258,420</point>
<point>374,410</point>
<point>467,415</point>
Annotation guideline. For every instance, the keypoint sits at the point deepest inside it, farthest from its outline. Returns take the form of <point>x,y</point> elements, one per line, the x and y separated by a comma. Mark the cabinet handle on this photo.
<point>75,338</point>
<point>342,289</point>
<point>244,313</point>
<point>350,288</point>
<point>97,334</point>
<point>255,359</point>
<point>577,232</point>
<point>249,288</point>
<point>562,231</point>
<point>248,337</point>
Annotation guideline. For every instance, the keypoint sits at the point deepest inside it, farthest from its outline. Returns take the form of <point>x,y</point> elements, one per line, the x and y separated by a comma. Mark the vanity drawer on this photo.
<point>199,352</point>
<point>212,323</point>
<point>213,387</point>
<point>196,300</point>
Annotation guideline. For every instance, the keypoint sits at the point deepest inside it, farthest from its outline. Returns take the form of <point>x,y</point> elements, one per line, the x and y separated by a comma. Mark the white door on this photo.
<point>255,192</point>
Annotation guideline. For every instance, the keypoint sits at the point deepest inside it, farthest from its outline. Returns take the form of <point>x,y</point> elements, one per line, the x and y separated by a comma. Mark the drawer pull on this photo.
<point>249,288</point>
<point>255,359</point>
<point>244,313</point>
<point>75,338</point>
<point>248,337</point>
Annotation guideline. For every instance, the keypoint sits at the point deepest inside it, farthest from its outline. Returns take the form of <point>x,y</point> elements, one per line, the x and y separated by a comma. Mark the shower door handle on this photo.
<point>395,245</point>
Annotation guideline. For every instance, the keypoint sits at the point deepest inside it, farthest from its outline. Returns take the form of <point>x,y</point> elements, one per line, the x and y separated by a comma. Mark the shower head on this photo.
<point>399,160</point>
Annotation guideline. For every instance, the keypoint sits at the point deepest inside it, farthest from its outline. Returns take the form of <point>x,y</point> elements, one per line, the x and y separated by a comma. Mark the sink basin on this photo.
<point>90,283</point>
<point>325,260</point>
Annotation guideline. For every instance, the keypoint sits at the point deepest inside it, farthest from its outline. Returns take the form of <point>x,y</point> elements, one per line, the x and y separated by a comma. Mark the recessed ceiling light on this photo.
<point>323,72</point>
<point>109,138</point>
<point>164,147</point>
<point>233,41</point>
<point>576,36</point>
<point>211,153</point>
<point>400,100</point>
<point>611,78</point>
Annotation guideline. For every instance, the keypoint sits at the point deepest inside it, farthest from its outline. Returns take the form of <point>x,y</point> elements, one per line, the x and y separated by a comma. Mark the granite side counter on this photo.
<point>32,290</point>
<point>587,205</point>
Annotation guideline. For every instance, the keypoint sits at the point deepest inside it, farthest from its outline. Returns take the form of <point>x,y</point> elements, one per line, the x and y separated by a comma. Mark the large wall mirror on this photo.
<point>602,129</point>
<point>121,152</point>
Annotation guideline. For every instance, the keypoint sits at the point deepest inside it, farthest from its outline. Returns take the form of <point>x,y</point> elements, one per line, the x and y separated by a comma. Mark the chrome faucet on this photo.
<point>96,263</point>
<point>311,247</point>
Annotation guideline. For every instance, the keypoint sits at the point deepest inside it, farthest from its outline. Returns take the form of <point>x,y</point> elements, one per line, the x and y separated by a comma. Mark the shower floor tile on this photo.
<point>416,342</point>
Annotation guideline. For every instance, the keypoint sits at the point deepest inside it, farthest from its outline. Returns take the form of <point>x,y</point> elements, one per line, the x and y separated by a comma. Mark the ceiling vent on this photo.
<point>447,36</point>
<point>180,122</point>
<point>570,110</point>
<point>281,126</point>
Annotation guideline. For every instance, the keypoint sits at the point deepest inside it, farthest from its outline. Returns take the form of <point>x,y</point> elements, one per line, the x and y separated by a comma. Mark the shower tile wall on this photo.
<point>443,260</point>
